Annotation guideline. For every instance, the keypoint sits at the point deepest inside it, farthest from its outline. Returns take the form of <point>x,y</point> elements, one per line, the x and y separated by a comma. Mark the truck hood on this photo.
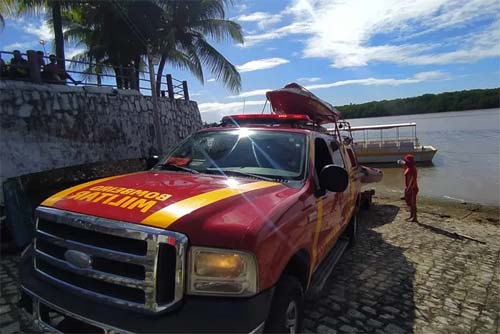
<point>171,200</point>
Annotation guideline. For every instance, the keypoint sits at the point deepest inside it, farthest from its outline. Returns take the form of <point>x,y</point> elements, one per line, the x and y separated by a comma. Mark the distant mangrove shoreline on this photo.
<point>424,104</point>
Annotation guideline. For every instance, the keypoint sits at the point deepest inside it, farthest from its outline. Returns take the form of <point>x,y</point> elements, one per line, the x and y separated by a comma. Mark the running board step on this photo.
<point>322,274</point>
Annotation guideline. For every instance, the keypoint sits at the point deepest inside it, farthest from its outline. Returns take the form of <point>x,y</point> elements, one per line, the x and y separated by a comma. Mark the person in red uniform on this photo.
<point>411,186</point>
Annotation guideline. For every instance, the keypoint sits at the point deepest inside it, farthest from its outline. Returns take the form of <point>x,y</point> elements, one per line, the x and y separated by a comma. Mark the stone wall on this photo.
<point>51,126</point>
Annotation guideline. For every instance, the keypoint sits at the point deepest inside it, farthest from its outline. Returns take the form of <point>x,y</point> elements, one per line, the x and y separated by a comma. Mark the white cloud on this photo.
<point>43,31</point>
<point>21,46</point>
<point>261,64</point>
<point>293,28</point>
<point>419,77</point>
<point>345,31</point>
<point>307,79</point>
<point>211,80</point>
<point>214,111</point>
<point>261,18</point>
<point>230,107</point>
<point>241,7</point>
<point>250,93</point>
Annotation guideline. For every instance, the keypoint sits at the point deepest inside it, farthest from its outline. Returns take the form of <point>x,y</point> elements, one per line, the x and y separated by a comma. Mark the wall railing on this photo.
<point>33,68</point>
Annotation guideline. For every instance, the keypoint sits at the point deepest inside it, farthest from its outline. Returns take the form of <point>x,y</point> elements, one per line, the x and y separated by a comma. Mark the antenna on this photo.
<point>244,105</point>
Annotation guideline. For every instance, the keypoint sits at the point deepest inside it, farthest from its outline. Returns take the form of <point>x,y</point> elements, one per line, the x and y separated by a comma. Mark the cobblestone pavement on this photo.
<point>400,277</point>
<point>404,277</point>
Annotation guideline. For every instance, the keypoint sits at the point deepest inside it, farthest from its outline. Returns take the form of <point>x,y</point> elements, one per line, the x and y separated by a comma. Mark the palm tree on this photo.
<point>182,35</point>
<point>6,9</point>
<point>99,26</point>
<point>56,7</point>
<point>120,33</point>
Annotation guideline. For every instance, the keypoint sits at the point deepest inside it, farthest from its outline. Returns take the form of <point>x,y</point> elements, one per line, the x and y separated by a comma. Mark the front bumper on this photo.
<point>195,314</point>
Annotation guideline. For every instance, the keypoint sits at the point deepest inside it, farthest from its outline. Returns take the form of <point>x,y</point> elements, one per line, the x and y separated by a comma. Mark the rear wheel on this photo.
<point>287,307</point>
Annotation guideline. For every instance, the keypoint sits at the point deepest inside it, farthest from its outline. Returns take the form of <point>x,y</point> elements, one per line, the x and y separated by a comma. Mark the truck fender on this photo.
<point>298,266</point>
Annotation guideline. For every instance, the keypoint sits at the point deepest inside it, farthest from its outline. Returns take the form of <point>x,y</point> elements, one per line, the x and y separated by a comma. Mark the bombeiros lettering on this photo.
<point>126,198</point>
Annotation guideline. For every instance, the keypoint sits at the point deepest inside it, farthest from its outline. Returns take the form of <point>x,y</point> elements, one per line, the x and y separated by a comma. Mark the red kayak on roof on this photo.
<point>295,99</point>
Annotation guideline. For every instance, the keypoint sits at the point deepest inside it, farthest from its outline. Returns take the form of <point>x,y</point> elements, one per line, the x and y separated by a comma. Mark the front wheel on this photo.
<point>287,307</point>
<point>352,229</point>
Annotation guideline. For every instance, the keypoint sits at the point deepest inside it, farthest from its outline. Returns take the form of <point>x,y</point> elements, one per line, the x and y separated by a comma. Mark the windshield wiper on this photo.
<point>167,165</point>
<point>240,173</point>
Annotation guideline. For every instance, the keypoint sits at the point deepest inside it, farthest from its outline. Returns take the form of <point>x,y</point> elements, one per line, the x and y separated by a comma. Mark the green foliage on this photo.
<point>118,33</point>
<point>427,103</point>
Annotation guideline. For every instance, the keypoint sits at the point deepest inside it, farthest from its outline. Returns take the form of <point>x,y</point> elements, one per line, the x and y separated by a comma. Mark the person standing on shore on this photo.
<point>411,186</point>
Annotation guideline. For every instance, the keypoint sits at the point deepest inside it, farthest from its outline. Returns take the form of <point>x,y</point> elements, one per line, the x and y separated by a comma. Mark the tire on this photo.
<point>366,203</point>
<point>286,315</point>
<point>352,230</point>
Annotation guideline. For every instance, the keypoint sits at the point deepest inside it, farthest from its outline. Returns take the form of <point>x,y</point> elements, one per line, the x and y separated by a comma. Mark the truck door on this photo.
<point>326,202</point>
<point>353,189</point>
<point>338,213</point>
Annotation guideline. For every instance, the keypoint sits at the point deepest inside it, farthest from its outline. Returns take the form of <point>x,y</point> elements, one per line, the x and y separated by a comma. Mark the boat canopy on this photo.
<point>382,127</point>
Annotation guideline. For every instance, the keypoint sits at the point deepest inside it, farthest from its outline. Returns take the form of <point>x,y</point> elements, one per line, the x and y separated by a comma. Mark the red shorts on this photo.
<point>411,196</point>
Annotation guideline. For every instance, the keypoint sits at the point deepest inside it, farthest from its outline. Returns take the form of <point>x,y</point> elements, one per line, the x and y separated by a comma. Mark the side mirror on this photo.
<point>334,178</point>
<point>152,161</point>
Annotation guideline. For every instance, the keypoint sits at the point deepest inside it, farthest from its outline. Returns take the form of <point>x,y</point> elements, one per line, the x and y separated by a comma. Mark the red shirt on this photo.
<point>411,178</point>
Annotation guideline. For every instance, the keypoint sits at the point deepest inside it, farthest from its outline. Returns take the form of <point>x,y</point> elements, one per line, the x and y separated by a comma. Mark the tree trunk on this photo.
<point>159,75</point>
<point>118,76</point>
<point>58,33</point>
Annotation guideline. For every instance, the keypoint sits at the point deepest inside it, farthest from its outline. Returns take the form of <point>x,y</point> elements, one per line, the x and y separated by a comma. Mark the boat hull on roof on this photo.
<point>421,154</point>
<point>295,99</point>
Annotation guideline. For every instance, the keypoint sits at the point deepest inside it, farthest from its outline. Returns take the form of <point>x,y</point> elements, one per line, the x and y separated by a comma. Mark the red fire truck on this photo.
<point>228,233</point>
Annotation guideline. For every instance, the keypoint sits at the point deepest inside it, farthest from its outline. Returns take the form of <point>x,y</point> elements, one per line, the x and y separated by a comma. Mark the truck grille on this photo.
<point>129,265</point>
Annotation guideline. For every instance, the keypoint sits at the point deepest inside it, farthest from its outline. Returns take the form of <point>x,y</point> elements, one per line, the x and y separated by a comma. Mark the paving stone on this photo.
<point>10,329</point>
<point>391,309</point>
<point>368,309</point>
<point>330,321</point>
<point>374,323</point>
<point>348,329</point>
<point>314,315</point>
<point>322,329</point>
<point>308,323</point>
<point>387,316</point>
<point>5,309</point>
<point>394,329</point>
<point>355,314</point>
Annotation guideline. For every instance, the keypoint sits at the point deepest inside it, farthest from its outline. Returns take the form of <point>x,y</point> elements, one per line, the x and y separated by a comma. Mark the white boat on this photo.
<point>388,143</point>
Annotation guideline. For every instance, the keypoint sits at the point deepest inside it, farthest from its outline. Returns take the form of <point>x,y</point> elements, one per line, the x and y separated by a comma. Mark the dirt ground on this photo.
<point>441,275</point>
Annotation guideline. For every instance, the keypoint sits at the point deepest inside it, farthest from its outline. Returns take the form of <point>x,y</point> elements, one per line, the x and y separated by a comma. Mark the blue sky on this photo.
<point>344,51</point>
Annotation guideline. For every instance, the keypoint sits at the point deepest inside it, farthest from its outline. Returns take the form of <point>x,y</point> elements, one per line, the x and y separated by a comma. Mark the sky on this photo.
<point>344,51</point>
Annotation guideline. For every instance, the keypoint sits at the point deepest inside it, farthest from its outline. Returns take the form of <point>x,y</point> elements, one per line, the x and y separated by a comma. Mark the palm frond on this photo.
<point>220,29</point>
<point>218,65</point>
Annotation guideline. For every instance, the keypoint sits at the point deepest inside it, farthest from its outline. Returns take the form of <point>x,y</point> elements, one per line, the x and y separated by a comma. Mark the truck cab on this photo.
<point>227,233</point>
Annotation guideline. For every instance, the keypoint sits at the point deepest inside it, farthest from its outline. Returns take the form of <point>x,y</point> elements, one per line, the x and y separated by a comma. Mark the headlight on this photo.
<point>223,272</point>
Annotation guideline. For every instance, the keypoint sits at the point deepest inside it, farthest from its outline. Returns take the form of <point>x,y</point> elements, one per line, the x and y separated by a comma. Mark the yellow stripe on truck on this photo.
<point>169,214</point>
<point>60,195</point>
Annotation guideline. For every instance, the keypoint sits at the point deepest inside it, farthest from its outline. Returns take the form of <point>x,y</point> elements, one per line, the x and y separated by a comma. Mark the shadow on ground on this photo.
<point>371,289</point>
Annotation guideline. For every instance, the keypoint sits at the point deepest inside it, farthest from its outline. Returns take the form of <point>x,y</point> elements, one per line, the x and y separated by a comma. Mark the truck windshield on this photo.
<point>276,155</point>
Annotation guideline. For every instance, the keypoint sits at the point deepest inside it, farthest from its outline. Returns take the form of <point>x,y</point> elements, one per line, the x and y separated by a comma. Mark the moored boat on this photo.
<point>373,144</point>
